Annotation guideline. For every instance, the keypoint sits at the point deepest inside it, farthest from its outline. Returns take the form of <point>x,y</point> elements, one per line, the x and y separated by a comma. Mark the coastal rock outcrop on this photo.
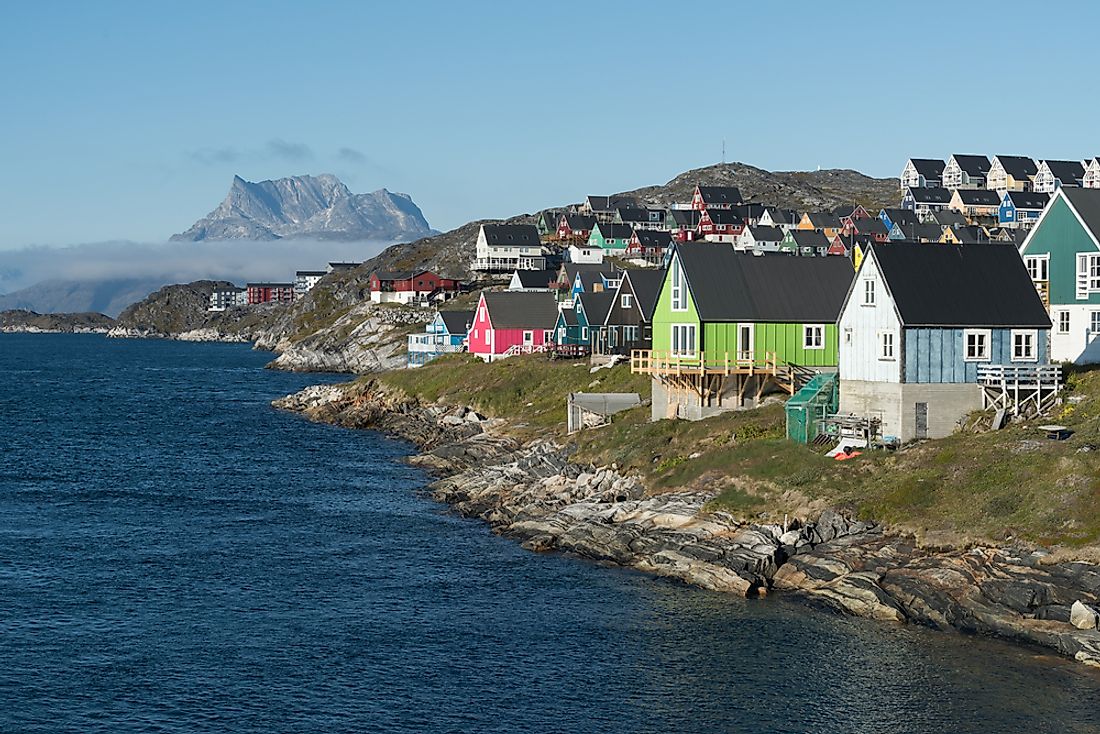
<point>29,322</point>
<point>535,494</point>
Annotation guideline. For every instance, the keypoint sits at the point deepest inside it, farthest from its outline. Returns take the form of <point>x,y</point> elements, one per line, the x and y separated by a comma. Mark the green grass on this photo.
<point>970,486</point>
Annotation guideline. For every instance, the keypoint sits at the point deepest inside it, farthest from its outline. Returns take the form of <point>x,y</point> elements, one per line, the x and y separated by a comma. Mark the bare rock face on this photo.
<point>29,322</point>
<point>1083,617</point>
<point>308,207</point>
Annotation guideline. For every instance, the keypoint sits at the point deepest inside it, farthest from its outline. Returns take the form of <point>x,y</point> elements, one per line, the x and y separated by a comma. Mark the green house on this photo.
<point>610,237</point>
<point>1062,255</point>
<point>730,326</point>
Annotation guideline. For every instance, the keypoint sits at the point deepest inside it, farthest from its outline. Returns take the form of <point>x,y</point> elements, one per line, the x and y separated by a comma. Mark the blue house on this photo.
<point>890,217</point>
<point>444,334</point>
<point>929,334</point>
<point>591,310</point>
<point>567,330</point>
<point>1021,208</point>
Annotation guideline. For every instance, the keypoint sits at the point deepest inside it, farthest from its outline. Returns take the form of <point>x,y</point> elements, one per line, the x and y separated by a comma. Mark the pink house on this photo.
<point>512,322</point>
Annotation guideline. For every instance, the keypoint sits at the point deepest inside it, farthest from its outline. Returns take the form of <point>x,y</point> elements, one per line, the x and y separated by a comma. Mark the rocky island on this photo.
<point>20,321</point>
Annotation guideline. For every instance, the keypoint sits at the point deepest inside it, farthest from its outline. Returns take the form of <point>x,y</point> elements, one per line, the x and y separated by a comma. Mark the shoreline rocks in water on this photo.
<point>534,494</point>
<point>28,322</point>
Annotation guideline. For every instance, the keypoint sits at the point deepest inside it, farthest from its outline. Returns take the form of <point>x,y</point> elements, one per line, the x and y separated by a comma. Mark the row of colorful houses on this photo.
<point>1000,173</point>
<point>259,293</point>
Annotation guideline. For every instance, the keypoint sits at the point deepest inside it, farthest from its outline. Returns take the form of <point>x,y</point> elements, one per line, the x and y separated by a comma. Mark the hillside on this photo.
<point>54,323</point>
<point>308,207</point>
<point>78,296</point>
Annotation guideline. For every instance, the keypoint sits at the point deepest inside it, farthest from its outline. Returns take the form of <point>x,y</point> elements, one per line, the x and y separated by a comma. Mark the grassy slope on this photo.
<point>981,486</point>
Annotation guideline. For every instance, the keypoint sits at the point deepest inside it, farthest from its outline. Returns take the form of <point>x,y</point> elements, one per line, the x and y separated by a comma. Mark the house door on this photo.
<point>744,341</point>
<point>921,416</point>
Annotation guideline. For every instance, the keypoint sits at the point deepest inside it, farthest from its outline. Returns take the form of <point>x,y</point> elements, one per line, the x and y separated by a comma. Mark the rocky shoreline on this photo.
<point>533,493</point>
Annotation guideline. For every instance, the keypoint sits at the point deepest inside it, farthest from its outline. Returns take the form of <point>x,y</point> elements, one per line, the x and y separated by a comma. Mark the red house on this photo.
<point>512,322</point>
<point>270,293</point>
<point>575,226</point>
<point>407,286</point>
<point>715,197</point>
<point>720,225</point>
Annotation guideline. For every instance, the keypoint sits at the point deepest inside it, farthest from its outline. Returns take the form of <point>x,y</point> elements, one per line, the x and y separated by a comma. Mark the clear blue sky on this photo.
<point>128,119</point>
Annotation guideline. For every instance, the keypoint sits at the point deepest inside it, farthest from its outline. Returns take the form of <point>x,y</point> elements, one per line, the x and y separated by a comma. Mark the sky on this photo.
<point>128,120</point>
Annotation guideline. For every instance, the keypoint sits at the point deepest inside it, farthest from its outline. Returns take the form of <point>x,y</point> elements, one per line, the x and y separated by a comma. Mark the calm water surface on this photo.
<point>176,556</point>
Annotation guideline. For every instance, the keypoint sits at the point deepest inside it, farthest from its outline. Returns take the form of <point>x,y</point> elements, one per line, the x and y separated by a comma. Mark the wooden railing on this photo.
<point>525,349</point>
<point>650,362</point>
<point>1020,375</point>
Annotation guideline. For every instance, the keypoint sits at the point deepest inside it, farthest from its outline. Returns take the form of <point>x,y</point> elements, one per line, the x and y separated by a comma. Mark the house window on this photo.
<point>683,340</point>
<point>528,337</point>
<point>886,345</point>
<point>626,301</point>
<point>1037,266</point>
<point>868,292</point>
<point>1088,274</point>
<point>848,336</point>
<point>630,334</point>
<point>1063,320</point>
<point>1094,322</point>
<point>976,344</point>
<point>548,336</point>
<point>584,333</point>
<point>813,336</point>
<point>679,286</point>
<point>1023,345</point>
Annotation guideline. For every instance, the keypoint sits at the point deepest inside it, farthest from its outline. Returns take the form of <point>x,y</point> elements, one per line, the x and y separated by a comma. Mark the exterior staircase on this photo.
<point>816,400</point>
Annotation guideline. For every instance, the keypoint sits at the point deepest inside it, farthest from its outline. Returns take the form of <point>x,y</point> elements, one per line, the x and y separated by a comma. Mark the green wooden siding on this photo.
<point>664,316</point>
<point>595,239</point>
<point>1061,236</point>
<point>787,341</point>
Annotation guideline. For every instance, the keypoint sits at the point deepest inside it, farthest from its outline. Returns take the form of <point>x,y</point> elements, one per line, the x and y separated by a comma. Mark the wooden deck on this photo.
<point>748,375</point>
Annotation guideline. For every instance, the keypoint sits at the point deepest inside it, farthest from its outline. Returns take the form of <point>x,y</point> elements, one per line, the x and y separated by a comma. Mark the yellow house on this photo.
<point>1011,173</point>
<point>973,203</point>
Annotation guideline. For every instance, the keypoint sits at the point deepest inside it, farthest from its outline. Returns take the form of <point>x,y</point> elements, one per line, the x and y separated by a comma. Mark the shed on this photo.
<point>593,409</point>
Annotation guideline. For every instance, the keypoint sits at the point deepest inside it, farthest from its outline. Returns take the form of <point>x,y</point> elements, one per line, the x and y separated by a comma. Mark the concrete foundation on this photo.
<point>687,405</point>
<point>897,405</point>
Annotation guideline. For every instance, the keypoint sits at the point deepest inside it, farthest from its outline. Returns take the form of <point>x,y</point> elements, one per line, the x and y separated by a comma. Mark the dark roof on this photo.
<point>614,231</point>
<point>766,234</point>
<point>589,279</point>
<point>809,238</point>
<point>645,283</point>
<point>737,286</point>
<point>1087,203</point>
<point>639,214</point>
<point>783,216</point>
<point>1018,166</point>
<point>511,235</point>
<point>344,266</point>
<point>978,285</point>
<point>970,234</point>
<point>653,237</point>
<point>720,194</point>
<point>522,309</point>
<point>820,220</point>
<point>725,216</point>
<point>920,231</point>
<point>536,278</point>
<point>901,216</point>
<point>457,322</point>
<point>928,167</point>
<point>311,272</point>
<point>845,210</point>
<point>948,217</point>
<point>872,225</point>
<point>1028,199</point>
<point>930,195</point>
<point>609,203</point>
<point>551,216</point>
<point>571,269</point>
<point>979,197</point>
<point>1066,171</point>
<point>974,165</point>
<point>569,316</point>
<point>580,221</point>
<point>749,210</point>
<point>684,217</point>
<point>394,274</point>
<point>596,305</point>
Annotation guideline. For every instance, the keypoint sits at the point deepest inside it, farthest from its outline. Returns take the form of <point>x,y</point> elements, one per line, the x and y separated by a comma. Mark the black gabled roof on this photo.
<point>684,217</point>
<point>571,269</point>
<point>720,194</point>
<point>1068,172</point>
<point>725,216</point>
<point>928,167</point>
<point>948,218</point>
<point>614,231</point>
<point>766,234</point>
<point>737,286</point>
<point>580,221</point>
<point>639,214</point>
<point>809,238</point>
<point>821,220</point>
<point>973,286</point>
<point>522,309</point>
<point>922,231</point>
<point>783,216</point>
<point>930,195</point>
<point>973,164</point>
<point>596,305</point>
<point>979,197</point>
<point>1087,203</point>
<point>609,203</point>
<point>645,284</point>
<point>536,278</point>
<point>870,225</point>
<point>1028,199</point>
<point>457,322</point>
<point>653,237</point>
<point>511,235</point>
<point>1018,166</point>
<point>569,316</point>
<point>900,216</point>
<point>590,279</point>
<point>970,234</point>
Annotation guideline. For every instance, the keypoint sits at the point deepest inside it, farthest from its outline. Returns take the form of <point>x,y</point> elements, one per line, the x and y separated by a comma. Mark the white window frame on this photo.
<point>985,340</point>
<point>1094,318</point>
<point>887,346</point>
<point>868,291</point>
<point>678,301</point>
<point>1038,267</point>
<point>813,336</point>
<point>528,338</point>
<point>584,333</point>
<point>1033,345</point>
<point>1063,321</point>
<point>680,335</point>
<point>626,301</point>
<point>1088,274</point>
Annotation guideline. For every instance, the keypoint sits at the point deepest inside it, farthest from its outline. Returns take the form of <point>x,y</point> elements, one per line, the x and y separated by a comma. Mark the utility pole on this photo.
<point>723,151</point>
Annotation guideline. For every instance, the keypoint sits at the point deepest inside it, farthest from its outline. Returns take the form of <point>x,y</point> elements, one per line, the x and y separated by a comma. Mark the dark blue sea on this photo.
<point>177,556</point>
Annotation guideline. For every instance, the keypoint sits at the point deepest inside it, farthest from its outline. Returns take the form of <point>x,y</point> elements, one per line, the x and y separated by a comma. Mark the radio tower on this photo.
<point>723,151</point>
